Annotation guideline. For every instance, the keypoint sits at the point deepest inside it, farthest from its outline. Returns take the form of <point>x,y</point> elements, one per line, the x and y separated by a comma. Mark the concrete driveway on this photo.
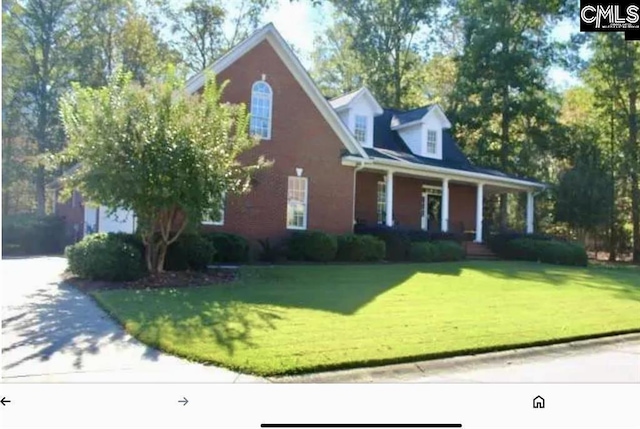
<point>53,333</point>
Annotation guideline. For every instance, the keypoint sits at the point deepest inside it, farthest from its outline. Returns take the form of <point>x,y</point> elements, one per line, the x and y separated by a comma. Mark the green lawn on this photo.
<point>288,319</point>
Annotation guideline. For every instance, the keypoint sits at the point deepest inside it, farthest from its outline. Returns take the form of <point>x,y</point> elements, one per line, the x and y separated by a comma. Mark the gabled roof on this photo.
<point>402,119</point>
<point>270,34</point>
<point>345,100</point>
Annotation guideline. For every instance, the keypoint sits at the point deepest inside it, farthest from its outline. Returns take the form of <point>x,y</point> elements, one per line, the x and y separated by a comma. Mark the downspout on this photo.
<point>355,176</point>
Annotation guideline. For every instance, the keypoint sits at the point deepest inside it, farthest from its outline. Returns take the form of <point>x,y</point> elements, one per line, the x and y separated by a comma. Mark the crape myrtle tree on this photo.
<point>167,155</point>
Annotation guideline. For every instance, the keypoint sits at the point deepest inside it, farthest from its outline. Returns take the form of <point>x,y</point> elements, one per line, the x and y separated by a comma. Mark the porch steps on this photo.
<point>479,251</point>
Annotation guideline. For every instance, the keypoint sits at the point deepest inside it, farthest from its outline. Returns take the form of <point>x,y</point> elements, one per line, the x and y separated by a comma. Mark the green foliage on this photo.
<point>422,252</point>
<point>270,252</point>
<point>30,234</point>
<point>198,26</point>
<point>168,156</point>
<point>584,193</point>
<point>105,257</point>
<point>372,44</point>
<point>230,248</point>
<point>360,248</point>
<point>436,251</point>
<point>397,244</point>
<point>315,246</point>
<point>190,252</point>
<point>549,251</point>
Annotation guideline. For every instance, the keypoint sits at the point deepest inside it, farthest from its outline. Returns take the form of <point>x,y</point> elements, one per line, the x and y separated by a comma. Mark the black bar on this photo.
<point>361,425</point>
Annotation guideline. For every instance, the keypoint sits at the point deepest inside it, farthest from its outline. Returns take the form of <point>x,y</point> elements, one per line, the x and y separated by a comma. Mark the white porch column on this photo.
<point>479,200</point>
<point>444,221</point>
<point>389,195</point>
<point>529,212</point>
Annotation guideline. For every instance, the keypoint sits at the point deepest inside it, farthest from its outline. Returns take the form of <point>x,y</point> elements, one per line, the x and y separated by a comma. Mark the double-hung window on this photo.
<point>360,130</point>
<point>297,195</point>
<point>432,142</point>
<point>207,219</point>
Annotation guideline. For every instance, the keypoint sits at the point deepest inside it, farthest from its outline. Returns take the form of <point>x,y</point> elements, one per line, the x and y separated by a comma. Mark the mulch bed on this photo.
<point>172,279</point>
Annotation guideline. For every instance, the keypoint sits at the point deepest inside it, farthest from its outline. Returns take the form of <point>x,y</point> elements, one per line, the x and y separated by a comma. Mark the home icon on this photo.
<point>538,402</point>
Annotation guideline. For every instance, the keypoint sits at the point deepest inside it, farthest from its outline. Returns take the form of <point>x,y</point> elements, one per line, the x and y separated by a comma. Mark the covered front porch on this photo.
<point>429,200</point>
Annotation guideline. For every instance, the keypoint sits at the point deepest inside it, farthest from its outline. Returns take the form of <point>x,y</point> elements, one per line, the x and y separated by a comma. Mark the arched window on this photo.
<point>261,98</point>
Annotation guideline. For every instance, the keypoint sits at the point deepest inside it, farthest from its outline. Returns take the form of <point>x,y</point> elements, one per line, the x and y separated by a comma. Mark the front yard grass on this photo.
<point>292,319</point>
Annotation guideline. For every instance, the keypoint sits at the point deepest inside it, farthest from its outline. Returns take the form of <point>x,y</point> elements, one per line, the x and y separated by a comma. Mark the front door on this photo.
<point>431,209</point>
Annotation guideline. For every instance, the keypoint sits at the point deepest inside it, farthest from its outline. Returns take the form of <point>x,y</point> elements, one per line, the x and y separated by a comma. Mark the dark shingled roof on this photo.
<point>388,144</point>
<point>400,118</point>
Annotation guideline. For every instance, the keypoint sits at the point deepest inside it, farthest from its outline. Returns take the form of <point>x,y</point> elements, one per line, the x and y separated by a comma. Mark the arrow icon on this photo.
<point>183,401</point>
<point>4,401</point>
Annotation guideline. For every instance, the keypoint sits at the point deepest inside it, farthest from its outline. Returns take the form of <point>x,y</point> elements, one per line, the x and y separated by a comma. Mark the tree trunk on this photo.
<point>40,191</point>
<point>504,152</point>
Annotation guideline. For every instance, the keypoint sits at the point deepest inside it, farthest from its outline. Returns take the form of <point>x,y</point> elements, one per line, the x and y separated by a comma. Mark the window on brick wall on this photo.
<point>297,195</point>
<point>382,202</point>
<point>207,219</point>
<point>261,108</point>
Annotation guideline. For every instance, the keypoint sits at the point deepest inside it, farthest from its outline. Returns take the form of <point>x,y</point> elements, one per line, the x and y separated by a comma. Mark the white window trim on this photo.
<point>222,210</point>
<point>306,204</point>
<point>268,137</point>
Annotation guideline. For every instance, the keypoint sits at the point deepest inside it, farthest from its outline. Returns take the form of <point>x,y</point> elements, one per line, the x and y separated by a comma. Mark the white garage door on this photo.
<point>120,221</point>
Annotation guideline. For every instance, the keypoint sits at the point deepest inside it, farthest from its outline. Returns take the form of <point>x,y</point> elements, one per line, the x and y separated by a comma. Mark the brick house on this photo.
<point>343,161</point>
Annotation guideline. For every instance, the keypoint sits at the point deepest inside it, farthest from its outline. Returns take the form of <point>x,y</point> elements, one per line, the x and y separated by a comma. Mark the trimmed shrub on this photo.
<point>549,251</point>
<point>28,234</point>
<point>316,246</point>
<point>436,251</point>
<point>448,251</point>
<point>189,252</point>
<point>270,252</point>
<point>422,252</point>
<point>498,243</point>
<point>360,248</point>
<point>105,257</point>
<point>230,248</point>
<point>397,241</point>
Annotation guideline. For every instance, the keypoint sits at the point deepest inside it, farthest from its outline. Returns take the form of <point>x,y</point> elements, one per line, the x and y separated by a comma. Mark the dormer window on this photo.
<point>432,142</point>
<point>261,98</point>
<point>360,131</point>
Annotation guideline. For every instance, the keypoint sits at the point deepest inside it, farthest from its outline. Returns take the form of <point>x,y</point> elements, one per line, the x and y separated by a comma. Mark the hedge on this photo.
<point>549,251</point>
<point>360,248</point>
<point>189,252</point>
<point>230,248</point>
<point>436,251</point>
<point>105,257</point>
<point>29,234</point>
<point>315,246</point>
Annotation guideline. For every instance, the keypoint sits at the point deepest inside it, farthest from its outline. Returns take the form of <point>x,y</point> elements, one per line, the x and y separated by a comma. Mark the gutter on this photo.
<point>449,172</point>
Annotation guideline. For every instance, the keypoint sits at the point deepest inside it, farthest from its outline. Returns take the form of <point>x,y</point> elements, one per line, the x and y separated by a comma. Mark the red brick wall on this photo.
<point>300,138</point>
<point>366,197</point>
<point>462,207</point>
